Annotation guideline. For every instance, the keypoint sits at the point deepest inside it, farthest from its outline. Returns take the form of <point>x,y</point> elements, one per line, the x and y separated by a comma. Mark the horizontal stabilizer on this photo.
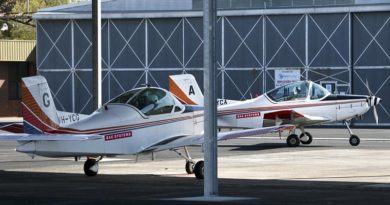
<point>14,128</point>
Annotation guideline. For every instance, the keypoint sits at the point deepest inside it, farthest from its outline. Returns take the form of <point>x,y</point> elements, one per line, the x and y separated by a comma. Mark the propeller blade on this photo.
<point>368,88</point>
<point>375,114</point>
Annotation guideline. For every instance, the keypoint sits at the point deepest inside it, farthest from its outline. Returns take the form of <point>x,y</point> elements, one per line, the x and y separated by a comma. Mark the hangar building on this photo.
<point>338,43</point>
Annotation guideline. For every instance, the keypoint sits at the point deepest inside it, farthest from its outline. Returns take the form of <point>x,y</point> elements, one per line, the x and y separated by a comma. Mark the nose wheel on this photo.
<point>354,140</point>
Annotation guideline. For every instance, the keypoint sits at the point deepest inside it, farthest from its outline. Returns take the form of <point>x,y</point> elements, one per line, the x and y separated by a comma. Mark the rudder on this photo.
<point>38,108</point>
<point>186,89</point>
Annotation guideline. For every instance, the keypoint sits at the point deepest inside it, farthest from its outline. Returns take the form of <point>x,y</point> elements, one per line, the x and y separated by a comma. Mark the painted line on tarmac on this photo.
<point>322,138</point>
<point>361,139</point>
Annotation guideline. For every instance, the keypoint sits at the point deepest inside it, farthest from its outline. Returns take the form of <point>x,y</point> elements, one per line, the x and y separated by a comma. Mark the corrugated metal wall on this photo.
<point>17,50</point>
<point>342,48</point>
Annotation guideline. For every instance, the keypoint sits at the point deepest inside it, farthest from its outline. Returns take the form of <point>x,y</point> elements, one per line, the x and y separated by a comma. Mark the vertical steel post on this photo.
<point>210,102</point>
<point>351,54</point>
<point>306,46</point>
<point>96,54</point>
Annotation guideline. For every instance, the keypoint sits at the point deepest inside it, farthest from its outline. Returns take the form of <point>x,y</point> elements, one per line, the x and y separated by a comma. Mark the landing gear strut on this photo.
<point>191,166</point>
<point>353,139</point>
<point>91,166</point>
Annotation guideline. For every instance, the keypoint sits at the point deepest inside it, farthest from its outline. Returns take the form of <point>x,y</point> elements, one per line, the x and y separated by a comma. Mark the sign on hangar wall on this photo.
<point>283,77</point>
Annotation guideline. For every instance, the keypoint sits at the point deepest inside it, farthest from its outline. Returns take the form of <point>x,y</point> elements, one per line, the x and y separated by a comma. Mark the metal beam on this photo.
<point>210,102</point>
<point>53,14</point>
<point>96,54</point>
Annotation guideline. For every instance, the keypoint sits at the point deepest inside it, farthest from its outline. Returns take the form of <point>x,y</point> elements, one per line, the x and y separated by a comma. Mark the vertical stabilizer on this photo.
<point>186,88</point>
<point>38,108</point>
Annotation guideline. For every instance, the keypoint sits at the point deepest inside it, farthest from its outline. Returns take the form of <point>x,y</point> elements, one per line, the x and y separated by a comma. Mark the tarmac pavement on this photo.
<point>265,171</point>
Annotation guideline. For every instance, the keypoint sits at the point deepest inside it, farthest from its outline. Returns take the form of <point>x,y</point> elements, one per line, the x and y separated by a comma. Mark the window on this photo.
<point>318,92</point>
<point>124,97</point>
<point>293,91</point>
<point>152,101</point>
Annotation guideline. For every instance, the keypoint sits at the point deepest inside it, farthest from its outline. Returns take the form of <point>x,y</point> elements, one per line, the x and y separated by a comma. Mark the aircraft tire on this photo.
<point>306,141</point>
<point>354,140</point>
<point>190,167</point>
<point>293,140</point>
<point>89,168</point>
<point>199,170</point>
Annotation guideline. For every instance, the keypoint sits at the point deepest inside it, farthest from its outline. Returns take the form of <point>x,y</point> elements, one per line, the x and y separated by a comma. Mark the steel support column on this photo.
<point>351,57</point>
<point>96,54</point>
<point>210,104</point>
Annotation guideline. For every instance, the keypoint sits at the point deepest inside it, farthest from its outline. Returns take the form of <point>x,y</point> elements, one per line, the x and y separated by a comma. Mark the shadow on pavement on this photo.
<point>266,146</point>
<point>63,188</point>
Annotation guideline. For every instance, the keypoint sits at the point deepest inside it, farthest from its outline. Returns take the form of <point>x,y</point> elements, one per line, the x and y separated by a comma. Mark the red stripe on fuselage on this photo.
<point>283,107</point>
<point>36,122</point>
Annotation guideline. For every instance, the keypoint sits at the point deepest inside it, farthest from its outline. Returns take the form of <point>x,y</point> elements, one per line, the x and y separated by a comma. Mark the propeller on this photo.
<point>372,98</point>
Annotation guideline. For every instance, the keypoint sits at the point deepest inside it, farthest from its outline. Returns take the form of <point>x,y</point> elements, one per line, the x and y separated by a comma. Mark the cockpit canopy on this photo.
<point>297,91</point>
<point>150,101</point>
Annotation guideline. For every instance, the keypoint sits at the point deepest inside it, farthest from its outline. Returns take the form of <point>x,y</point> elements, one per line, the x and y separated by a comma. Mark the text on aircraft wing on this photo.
<point>48,137</point>
<point>199,139</point>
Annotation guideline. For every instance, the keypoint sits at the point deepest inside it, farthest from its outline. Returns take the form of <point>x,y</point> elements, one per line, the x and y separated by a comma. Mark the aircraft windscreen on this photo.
<point>152,101</point>
<point>318,92</point>
<point>123,98</point>
<point>293,91</point>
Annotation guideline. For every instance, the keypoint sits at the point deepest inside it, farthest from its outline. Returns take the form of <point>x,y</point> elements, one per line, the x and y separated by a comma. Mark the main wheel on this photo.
<point>309,138</point>
<point>354,140</point>
<point>199,170</point>
<point>91,167</point>
<point>190,167</point>
<point>293,140</point>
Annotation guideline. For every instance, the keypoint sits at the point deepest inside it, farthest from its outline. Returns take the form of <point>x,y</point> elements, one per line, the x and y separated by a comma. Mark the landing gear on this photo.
<point>91,167</point>
<point>199,170</point>
<point>305,138</point>
<point>353,139</point>
<point>190,165</point>
<point>293,140</point>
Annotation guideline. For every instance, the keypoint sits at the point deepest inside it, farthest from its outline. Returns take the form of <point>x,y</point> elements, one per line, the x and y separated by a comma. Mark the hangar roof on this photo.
<point>192,8</point>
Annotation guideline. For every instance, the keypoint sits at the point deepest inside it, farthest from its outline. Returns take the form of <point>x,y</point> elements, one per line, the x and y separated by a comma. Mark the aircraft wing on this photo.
<point>293,117</point>
<point>48,137</point>
<point>182,141</point>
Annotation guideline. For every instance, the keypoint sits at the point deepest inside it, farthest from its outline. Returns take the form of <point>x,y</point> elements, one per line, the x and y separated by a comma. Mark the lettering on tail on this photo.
<point>192,91</point>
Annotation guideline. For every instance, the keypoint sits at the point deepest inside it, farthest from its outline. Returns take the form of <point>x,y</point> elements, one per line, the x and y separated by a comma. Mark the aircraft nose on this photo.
<point>377,101</point>
<point>372,100</point>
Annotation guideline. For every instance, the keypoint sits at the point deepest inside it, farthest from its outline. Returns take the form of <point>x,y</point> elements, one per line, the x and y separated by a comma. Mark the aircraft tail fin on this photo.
<point>186,89</point>
<point>38,108</point>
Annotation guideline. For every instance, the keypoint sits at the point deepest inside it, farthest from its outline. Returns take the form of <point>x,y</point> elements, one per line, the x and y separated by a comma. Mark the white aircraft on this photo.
<point>301,103</point>
<point>145,119</point>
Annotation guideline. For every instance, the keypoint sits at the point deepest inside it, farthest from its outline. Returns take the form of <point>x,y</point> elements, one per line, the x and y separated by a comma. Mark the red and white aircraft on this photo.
<point>146,119</point>
<point>301,103</point>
